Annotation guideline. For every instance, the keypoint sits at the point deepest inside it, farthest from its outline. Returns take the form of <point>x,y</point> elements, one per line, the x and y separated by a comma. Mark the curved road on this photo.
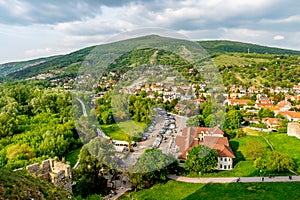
<point>234,179</point>
<point>82,106</point>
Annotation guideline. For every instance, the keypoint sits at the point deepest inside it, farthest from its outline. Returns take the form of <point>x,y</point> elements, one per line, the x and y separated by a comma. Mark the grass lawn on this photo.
<point>123,130</point>
<point>249,131</point>
<point>286,144</point>
<point>72,157</point>
<point>179,190</point>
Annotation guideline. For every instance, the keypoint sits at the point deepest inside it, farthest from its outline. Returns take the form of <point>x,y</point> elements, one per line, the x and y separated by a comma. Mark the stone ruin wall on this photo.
<point>53,172</point>
<point>293,129</point>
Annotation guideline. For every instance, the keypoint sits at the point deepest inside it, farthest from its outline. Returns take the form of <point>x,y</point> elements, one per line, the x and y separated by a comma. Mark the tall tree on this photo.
<point>201,159</point>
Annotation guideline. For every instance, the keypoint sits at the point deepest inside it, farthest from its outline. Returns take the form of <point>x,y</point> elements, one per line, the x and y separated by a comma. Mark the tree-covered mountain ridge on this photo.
<point>223,52</point>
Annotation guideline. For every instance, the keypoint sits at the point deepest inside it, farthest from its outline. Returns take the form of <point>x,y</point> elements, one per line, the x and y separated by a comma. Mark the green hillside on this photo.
<point>224,46</point>
<point>18,185</point>
<point>12,67</point>
<point>224,53</point>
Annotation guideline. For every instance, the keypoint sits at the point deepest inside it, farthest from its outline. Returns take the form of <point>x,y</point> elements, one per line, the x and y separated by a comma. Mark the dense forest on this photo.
<point>35,123</point>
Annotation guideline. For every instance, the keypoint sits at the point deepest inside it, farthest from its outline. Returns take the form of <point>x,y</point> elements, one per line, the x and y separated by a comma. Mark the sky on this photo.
<point>34,28</point>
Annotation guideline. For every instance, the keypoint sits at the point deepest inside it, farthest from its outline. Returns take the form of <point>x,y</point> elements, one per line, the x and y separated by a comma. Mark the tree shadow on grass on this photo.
<point>238,154</point>
<point>229,191</point>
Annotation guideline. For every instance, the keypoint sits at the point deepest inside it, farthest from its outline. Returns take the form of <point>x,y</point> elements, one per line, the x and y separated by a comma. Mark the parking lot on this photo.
<point>160,134</point>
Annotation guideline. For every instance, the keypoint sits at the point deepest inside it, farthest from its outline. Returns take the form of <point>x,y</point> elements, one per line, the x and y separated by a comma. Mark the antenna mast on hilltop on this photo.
<point>248,50</point>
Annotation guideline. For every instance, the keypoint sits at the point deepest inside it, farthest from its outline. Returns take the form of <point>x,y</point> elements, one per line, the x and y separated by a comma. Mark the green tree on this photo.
<point>151,167</point>
<point>275,162</point>
<point>19,152</point>
<point>211,120</point>
<point>201,159</point>
<point>196,120</point>
<point>264,113</point>
<point>88,180</point>
<point>233,119</point>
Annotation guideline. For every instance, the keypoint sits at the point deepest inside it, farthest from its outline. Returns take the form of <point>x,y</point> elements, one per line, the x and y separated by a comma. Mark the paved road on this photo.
<point>234,179</point>
<point>120,192</point>
<point>83,107</point>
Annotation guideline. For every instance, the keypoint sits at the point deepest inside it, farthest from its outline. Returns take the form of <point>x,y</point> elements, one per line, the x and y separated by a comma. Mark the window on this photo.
<point>228,166</point>
<point>220,166</point>
<point>225,159</point>
<point>225,166</point>
<point>221,158</point>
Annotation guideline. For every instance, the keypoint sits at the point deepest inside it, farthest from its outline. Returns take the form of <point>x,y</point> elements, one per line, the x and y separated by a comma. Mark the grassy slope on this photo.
<point>236,59</point>
<point>286,144</point>
<point>18,185</point>
<point>123,130</point>
<point>72,157</point>
<point>178,190</point>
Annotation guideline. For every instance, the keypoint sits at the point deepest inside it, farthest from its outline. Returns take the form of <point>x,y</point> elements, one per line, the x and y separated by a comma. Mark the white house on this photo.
<point>211,137</point>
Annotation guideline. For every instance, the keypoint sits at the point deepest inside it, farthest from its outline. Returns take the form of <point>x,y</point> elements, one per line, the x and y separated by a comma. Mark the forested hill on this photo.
<point>68,65</point>
<point>225,46</point>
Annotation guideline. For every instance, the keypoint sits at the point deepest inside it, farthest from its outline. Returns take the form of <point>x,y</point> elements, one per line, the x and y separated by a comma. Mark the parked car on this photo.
<point>172,126</point>
<point>157,142</point>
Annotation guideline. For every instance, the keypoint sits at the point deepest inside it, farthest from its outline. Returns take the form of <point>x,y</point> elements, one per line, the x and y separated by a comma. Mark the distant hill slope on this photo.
<point>67,65</point>
<point>18,185</point>
<point>12,67</point>
<point>224,46</point>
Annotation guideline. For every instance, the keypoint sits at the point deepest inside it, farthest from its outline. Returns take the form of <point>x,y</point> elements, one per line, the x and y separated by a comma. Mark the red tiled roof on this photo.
<point>189,139</point>
<point>272,121</point>
<point>291,114</point>
<point>220,144</point>
<point>215,130</point>
<point>239,101</point>
<point>283,104</point>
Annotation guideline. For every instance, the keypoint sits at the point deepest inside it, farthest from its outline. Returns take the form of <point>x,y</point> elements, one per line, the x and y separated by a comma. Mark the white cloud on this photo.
<point>49,30</point>
<point>38,52</point>
<point>278,37</point>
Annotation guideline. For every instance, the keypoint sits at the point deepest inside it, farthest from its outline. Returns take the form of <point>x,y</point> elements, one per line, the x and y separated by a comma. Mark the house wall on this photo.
<point>225,163</point>
<point>293,129</point>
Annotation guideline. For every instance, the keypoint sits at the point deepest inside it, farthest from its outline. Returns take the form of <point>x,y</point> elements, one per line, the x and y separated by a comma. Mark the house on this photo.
<point>263,105</point>
<point>253,90</point>
<point>284,105</point>
<point>292,116</point>
<point>211,137</point>
<point>206,131</point>
<point>225,153</point>
<point>293,129</point>
<point>180,108</point>
<point>292,98</point>
<point>235,102</point>
<point>272,123</point>
<point>296,88</point>
<point>199,101</point>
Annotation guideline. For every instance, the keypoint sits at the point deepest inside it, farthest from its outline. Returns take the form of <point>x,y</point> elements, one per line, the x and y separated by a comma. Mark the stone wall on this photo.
<point>293,129</point>
<point>54,172</point>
